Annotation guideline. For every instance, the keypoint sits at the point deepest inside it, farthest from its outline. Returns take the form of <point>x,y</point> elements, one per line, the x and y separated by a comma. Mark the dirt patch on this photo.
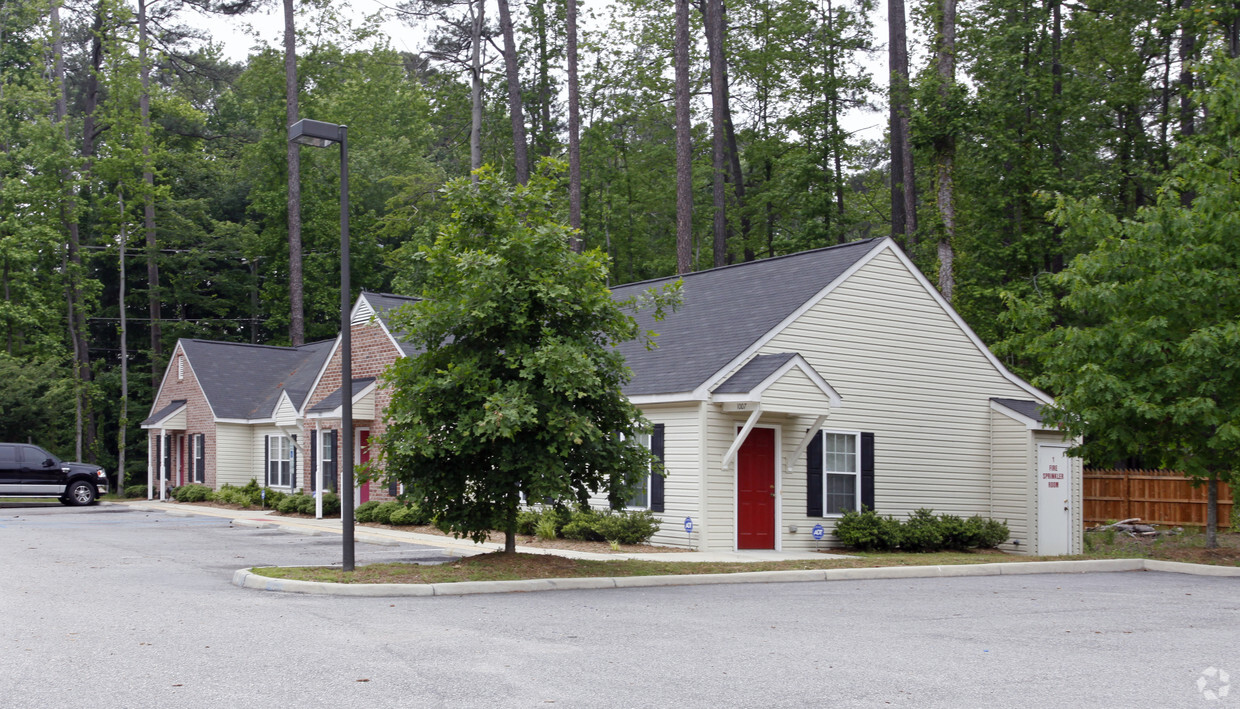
<point>1189,547</point>
<point>498,566</point>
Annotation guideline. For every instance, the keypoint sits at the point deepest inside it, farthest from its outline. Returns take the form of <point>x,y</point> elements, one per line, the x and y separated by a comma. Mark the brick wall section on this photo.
<point>373,351</point>
<point>198,419</point>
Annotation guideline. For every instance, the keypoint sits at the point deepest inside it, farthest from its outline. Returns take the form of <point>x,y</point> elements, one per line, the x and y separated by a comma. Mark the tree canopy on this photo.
<point>518,388</point>
<point>1146,360</point>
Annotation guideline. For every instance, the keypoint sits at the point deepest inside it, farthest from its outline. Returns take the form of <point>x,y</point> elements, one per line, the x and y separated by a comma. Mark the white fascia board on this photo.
<point>163,421</point>
<point>799,362</point>
<point>703,390</point>
<point>1029,423</point>
<point>248,422</point>
<point>319,377</point>
<point>382,325</point>
<point>679,398</point>
<point>338,412</point>
<point>168,371</point>
<point>964,327</point>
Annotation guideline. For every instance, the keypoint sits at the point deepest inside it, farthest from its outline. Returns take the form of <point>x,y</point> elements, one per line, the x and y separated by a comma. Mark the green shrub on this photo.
<point>992,534</point>
<point>253,492</point>
<point>306,505</point>
<point>383,513</point>
<point>408,516</point>
<point>627,527</point>
<point>365,512</point>
<point>135,491</point>
<point>191,493</point>
<point>331,504</point>
<point>546,527</point>
<point>527,522</point>
<point>867,531</point>
<point>581,530</point>
<point>958,535</point>
<point>921,532</point>
<point>231,495</point>
<point>273,498</point>
<point>288,505</point>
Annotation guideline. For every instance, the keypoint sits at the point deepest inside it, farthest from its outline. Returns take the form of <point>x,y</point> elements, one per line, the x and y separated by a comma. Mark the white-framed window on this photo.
<point>200,457</point>
<point>279,461</point>
<point>327,458</point>
<point>640,499</point>
<point>841,465</point>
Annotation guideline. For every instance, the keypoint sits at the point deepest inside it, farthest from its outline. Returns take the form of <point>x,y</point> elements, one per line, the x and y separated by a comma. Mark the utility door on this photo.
<point>1054,500</point>
<point>755,491</point>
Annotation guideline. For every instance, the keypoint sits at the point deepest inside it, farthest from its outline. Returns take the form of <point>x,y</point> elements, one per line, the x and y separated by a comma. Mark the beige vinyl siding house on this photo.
<point>782,392</point>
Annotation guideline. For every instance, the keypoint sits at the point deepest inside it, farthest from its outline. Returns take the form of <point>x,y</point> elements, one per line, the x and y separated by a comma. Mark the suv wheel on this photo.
<point>80,492</point>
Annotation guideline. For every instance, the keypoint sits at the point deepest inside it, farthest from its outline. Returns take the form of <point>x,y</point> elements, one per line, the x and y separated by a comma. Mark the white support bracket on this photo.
<point>809,436</point>
<point>730,456</point>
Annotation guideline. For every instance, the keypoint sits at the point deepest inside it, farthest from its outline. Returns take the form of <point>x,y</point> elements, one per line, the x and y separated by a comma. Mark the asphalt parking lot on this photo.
<point>109,607</point>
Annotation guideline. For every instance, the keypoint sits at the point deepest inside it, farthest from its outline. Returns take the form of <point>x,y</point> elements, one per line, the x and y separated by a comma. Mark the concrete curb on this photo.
<point>245,578</point>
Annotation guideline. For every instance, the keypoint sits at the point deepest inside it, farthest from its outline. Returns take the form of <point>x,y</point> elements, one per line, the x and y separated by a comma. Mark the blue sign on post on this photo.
<point>819,532</point>
<point>688,525</point>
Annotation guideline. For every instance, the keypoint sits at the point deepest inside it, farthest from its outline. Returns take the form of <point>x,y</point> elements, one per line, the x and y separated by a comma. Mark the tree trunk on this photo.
<point>736,175</point>
<point>574,129</point>
<point>148,207</point>
<point>85,420</point>
<point>684,158</point>
<point>475,88</point>
<point>519,150</point>
<point>1188,41</point>
<point>714,43</point>
<point>946,66</point>
<point>903,197</point>
<point>296,301</point>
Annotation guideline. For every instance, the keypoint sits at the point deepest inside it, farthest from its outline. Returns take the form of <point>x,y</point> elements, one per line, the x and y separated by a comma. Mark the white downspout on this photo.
<point>163,466</point>
<point>150,468</point>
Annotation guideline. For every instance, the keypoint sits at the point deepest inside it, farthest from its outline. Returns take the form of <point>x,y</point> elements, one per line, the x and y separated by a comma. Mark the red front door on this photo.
<point>755,491</point>
<point>363,455</point>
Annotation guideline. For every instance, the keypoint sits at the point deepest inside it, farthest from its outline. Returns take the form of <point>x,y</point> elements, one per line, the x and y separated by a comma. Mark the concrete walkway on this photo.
<point>264,519</point>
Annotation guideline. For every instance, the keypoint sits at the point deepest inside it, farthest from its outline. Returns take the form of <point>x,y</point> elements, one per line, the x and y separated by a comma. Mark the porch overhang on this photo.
<point>363,402</point>
<point>781,383</point>
<point>172,417</point>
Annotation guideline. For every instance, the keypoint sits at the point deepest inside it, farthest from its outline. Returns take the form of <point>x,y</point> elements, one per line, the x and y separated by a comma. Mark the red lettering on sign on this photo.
<point>1055,484</point>
<point>1054,467</point>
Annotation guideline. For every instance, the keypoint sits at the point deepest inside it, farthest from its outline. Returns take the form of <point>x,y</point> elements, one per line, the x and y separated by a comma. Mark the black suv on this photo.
<point>30,471</point>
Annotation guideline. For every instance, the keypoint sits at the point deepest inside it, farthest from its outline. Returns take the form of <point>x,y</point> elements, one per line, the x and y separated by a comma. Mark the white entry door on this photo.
<point>1054,500</point>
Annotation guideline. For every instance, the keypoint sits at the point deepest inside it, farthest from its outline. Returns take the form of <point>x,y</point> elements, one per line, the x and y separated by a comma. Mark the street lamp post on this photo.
<point>322,135</point>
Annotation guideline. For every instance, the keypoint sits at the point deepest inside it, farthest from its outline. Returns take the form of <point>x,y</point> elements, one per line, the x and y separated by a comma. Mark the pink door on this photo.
<point>363,448</point>
<point>755,491</point>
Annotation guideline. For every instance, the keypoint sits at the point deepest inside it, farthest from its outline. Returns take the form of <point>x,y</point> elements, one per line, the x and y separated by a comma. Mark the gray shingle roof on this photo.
<point>332,400</point>
<point>754,373</point>
<point>243,381</point>
<point>164,412</point>
<point>724,311</point>
<point>1030,409</point>
<point>384,303</point>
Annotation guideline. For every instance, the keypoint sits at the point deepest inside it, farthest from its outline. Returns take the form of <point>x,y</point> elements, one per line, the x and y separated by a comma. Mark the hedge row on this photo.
<point>251,495</point>
<point>922,532</point>
<point>589,525</point>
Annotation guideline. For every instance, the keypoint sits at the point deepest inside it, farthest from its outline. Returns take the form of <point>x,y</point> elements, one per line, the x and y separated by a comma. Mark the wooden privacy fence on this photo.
<point>1156,496</point>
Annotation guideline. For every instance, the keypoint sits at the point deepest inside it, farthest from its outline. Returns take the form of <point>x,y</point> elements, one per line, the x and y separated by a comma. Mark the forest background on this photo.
<point>149,192</point>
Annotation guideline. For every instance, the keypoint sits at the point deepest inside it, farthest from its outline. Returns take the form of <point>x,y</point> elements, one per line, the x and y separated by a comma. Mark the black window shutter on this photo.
<point>314,456</point>
<point>813,476</point>
<point>656,481</point>
<point>867,470</point>
<point>292,462</point>
<point>202,458</point>
<point>335,460</point>
<point>168,456</point>
<point>267,460</point>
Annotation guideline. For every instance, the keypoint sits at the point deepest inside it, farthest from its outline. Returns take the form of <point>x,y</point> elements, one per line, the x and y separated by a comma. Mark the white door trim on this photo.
<point>779,488</point>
